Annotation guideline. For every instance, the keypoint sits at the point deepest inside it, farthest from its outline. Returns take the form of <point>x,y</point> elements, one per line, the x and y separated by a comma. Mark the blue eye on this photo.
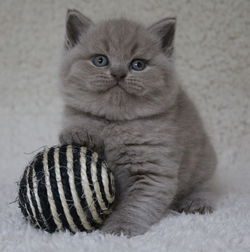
<point>138,64</point>
<point>100,60</point>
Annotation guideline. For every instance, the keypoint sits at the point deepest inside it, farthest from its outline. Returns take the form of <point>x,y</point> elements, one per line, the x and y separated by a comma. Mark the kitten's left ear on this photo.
<point>165,30</point>
<point>76,25</point>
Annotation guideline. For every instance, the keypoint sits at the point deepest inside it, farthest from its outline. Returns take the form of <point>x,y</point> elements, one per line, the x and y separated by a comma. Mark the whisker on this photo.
<point>102,76</point>
<point>134,80</point>
<point>137,87</point>
<point>101,82</point>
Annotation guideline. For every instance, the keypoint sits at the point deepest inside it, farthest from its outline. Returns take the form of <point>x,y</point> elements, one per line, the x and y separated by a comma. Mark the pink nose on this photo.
<point>118,74</point>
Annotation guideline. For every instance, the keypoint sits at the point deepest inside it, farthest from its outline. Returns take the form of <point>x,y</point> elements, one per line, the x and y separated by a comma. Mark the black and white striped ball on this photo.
<point>67,187</point>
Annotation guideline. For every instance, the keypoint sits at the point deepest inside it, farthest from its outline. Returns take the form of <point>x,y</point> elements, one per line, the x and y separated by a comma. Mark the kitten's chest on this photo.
<point>129,142</point>
<point>136,132</point>
<point>122,143</point>
<point>121,134</point>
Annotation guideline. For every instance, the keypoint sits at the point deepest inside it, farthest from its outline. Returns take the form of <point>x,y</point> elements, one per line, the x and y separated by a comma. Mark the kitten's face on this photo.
<point>117,70</point>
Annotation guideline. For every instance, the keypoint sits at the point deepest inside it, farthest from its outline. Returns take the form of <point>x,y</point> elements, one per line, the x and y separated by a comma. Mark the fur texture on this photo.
<point>143,124</point>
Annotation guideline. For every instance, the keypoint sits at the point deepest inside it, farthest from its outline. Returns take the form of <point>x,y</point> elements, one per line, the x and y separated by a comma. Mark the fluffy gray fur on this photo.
<point>143,123</point>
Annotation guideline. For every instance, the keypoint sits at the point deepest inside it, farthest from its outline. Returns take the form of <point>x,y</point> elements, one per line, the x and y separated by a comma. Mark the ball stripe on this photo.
<point>42,193</point>
<point>37,199</point>
<point>68,216</point>
<point>80,191</point>
<point>53,162</point>
<point>31,216</point>
<point>30,207</point>
<point>63,161</point>
<point>22,197</point>
<point>98,177</point>
<point>111,189</point>
<point>86,187</point>
<point>96,184</point>
<point>33,202</point>
<point>91,185</point>
<point>105,179</point>
<point>49,191</point>
<point>75,198</point>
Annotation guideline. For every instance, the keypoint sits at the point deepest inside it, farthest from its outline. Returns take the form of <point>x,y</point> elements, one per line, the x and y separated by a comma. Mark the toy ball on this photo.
<point>67,187</point>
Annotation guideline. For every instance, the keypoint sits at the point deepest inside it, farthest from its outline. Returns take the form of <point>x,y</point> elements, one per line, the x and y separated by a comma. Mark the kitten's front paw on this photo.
<point>75,136</point>
<point>81,137</point>
<point>126,229</point>
<point>194,205</point>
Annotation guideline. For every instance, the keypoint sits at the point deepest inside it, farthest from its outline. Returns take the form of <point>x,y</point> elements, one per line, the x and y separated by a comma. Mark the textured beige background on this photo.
<point>212,57</point>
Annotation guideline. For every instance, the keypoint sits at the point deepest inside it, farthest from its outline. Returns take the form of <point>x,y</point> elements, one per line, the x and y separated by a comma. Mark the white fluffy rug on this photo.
<point>213,59</point>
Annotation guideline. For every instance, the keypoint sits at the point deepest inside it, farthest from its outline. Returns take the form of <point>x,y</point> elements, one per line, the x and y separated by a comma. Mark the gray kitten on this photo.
<point>123,100</point>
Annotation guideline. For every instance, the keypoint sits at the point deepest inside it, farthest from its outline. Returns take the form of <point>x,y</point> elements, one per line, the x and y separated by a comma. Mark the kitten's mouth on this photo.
<point>121,87</point>
<point>127,88</point>
<point>116,85</point>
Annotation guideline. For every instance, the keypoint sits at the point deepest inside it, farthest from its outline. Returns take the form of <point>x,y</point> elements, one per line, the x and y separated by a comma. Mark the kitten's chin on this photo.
<point>117,105</point>
<point>123,114</point>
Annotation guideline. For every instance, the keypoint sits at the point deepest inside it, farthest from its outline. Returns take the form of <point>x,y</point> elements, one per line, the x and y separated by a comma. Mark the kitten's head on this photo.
<point>118,69</point>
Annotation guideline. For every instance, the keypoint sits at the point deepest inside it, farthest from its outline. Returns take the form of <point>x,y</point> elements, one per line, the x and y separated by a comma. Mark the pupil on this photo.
<point>100,60</point>
<point>139,64</point>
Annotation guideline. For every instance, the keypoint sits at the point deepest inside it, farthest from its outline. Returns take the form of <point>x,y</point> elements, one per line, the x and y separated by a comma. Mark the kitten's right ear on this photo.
<point>76,24</point>
<point>165,31</point>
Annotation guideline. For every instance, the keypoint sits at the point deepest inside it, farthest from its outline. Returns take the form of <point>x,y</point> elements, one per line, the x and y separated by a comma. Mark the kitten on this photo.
<point>123,100</point>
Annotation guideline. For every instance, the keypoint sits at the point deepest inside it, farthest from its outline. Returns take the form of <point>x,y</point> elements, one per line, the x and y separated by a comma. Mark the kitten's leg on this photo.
<point>150,193</point>
<point>201,201</point>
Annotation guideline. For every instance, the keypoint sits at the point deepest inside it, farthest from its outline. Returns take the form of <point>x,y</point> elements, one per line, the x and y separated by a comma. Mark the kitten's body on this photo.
<point>145,126</point>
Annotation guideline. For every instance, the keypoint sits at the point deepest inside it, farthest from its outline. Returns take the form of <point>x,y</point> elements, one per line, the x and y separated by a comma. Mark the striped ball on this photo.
<point>67,187</point>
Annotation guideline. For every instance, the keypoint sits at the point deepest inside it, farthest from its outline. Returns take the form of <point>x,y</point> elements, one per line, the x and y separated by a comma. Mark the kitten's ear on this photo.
<point>76,24</point>
<point>165,30</point>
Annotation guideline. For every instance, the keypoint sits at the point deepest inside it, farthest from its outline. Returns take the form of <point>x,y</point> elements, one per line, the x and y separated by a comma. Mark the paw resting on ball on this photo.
<point>79,136</point>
